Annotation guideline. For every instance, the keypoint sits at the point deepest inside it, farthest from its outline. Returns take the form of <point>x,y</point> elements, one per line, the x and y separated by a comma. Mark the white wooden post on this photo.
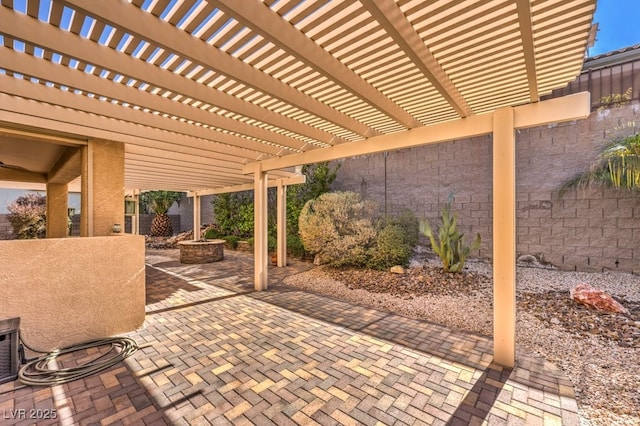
<point>260,229</point>
<point>282,224</point>
<point>504,237</point>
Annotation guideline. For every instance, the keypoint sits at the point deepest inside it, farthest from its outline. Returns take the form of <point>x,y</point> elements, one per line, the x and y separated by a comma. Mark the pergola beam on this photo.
<point>206,159</point>
<point>146,26</point>
<point>256,15</point>
<point>101,87</point>
<point>572,107</point>
<point>294,180</point>
<point>46,116</point>
<point>224,143</point>
<point>395,23</point>
<point>526,30</point>
<point>30,30</point>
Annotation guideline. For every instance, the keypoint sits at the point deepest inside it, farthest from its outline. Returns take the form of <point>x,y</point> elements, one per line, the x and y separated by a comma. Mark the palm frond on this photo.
<point>618,166</point>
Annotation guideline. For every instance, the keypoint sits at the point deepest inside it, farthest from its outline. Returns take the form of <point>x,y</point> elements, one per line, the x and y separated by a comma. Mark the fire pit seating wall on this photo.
<point>203,251</point>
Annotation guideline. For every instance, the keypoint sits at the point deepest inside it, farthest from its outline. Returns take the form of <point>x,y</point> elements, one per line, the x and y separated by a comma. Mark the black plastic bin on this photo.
<point>9,358</point>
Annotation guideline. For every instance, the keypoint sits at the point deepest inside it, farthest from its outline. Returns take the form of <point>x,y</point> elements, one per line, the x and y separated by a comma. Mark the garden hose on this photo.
<point>39,371</point>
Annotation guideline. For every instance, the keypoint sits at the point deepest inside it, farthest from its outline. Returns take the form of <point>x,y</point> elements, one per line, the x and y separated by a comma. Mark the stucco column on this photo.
<point>281,224</point>
<point>57,213</point>
<point>260,247</point>
<point>196,217</point>
<point>102,195</point>
<point>504,237</point>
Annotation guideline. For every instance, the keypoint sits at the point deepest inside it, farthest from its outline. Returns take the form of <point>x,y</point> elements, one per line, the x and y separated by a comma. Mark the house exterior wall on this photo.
<point>70,290</point>
<point>590,230</point>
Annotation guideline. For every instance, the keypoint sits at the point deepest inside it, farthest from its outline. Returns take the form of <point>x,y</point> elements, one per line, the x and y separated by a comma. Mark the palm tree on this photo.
<point>159,202</point>
<point>617,167</point>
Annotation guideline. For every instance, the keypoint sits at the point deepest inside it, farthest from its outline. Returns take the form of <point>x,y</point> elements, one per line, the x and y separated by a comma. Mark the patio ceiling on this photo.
<point>200,89</point>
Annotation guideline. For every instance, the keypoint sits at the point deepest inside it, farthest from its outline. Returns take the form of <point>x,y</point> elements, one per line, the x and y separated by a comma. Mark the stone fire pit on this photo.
<point>204,251</point>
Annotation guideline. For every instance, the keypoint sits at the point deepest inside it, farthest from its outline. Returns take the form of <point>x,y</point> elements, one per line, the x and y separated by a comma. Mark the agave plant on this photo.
<point>618,166</point>
<point>448,243</point>
<point>159,202</point>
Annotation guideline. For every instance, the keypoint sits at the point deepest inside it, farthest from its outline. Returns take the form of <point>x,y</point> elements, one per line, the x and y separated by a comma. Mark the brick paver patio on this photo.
<point>218,353</point>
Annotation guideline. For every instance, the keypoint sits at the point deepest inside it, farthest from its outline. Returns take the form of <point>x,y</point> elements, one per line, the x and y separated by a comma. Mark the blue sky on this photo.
<point>619,25</point>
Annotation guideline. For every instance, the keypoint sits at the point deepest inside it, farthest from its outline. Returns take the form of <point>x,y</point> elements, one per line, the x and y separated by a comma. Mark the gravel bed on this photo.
<point>599,352</point>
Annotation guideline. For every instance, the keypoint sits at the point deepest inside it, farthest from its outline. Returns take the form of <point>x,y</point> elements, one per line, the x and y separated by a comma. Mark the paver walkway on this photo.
<point>219,353</point>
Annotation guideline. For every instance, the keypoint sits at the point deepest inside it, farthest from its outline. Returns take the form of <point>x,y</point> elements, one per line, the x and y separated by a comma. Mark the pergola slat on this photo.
<point>263,80</point>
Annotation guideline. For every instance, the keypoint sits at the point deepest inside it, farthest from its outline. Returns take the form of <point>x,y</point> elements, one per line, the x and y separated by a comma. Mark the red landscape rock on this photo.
<point>595,298</point>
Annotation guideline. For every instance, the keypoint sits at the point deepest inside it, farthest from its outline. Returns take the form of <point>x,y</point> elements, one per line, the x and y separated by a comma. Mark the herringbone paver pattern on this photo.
<point>219,353</point>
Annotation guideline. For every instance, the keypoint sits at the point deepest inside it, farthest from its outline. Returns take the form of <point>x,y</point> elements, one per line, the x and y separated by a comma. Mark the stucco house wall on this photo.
<point>71,290</point>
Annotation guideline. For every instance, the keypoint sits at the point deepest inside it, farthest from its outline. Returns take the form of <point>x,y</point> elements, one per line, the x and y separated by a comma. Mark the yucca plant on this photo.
<point>448,243</point>
<point>159,202</point>
<point>618,166</point>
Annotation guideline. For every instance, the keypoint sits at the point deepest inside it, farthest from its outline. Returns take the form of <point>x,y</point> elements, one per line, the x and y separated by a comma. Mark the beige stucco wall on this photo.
<point>102,187</point>
<point>70,290</point>
<point>57,204</point>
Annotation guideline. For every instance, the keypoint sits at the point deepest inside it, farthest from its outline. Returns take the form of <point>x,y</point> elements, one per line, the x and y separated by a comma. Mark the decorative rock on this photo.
<point>595,298</point>
<point>527,258</point>
<point>397,269</point>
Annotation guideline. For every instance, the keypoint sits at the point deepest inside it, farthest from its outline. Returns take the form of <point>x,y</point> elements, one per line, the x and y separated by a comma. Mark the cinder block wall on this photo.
<point>584,230</point>
<point>185,211</point>
<point>6,230</point>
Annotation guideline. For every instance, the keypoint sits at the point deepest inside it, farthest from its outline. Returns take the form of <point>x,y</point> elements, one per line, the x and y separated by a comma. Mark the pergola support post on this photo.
<point>135,225</point>
<point>260,229</point>
<point>281,224</point>
<point>196,218</point>
<point>504,239</point>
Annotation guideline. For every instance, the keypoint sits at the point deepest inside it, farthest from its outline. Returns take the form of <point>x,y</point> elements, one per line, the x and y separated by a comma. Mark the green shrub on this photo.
<point>234,213</point>
<point>295,247</point>
<point>319,178</point>
<point>410,225</point>
<point>212,234</point>
<point>391,248</point>
<point>448,243</point>
<point>338,228</point>
<point>231,241</point>
<point>27,215</point>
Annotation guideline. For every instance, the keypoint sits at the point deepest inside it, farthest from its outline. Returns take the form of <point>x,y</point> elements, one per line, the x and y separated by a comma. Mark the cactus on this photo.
<point>448,244</point>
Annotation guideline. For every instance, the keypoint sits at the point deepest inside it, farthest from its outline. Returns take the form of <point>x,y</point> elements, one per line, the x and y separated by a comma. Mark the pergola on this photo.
<point>212,96</point>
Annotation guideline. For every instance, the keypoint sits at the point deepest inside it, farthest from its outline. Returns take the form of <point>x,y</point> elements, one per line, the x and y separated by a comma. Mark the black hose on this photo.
<point>38,372</point>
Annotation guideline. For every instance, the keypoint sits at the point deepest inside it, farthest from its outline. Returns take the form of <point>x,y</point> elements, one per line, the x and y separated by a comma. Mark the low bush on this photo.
<point>231,241</point>
<point>213,233</point>
<point>391,247</point>
<point>410,225</point>
<point>337,227</point>
<point>295,247</point>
